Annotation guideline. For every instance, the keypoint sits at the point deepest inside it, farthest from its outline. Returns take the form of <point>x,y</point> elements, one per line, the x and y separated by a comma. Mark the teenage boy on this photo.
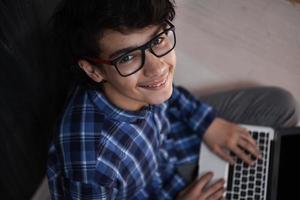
<point>132,134</point>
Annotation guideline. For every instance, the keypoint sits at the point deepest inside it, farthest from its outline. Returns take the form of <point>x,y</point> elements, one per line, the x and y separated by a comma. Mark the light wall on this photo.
<point>226,44</point>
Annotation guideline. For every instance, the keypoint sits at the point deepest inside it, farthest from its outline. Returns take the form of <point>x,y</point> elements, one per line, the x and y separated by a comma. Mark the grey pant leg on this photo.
<point>267,106</point>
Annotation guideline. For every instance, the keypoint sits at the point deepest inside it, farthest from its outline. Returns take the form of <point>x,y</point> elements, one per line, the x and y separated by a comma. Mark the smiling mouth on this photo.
<point>157,84</point>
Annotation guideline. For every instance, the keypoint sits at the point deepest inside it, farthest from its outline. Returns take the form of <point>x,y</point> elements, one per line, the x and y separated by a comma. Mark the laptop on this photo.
<point>274,177</point>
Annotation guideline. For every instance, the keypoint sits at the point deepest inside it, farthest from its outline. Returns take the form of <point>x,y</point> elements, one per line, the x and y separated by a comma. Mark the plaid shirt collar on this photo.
<point>113,112</point>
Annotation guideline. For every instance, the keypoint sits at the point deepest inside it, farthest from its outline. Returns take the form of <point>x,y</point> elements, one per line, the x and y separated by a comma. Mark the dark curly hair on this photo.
<point>78,25</point>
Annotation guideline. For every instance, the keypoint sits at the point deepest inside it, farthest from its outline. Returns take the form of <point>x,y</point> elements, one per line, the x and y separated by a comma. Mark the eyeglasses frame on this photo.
<point>143,48</point>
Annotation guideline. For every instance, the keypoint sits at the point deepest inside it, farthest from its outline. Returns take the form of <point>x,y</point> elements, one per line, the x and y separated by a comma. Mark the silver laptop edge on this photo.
<point>210,162</point>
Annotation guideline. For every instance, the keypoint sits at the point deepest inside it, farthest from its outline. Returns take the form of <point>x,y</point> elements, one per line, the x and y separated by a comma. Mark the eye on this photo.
<point>157,41</point>
<point>126,58</point>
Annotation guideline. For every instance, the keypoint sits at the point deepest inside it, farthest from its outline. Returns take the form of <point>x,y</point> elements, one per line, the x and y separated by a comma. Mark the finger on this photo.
<point>242,155</point>
<point>222,198</point>
<point>224,155</point>
<point>246,135</point>
<point>203,181</point>
<point>249,139</point>
<point>248,146</point>
<point>218,195</point>
<point>215,191</point>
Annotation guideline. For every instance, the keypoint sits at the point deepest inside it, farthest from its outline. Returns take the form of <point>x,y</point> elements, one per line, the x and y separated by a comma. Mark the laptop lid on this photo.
<point>286,165</point>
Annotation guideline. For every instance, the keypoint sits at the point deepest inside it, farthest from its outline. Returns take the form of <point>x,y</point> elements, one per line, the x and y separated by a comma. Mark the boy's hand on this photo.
<point>200,191</point>
<point>223,136</point>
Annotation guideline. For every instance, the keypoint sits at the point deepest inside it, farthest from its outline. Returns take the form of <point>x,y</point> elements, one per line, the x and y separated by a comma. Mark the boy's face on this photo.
<point>152,84</point>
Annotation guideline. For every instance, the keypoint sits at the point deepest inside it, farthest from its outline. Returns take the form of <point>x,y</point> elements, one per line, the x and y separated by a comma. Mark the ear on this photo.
<point>93,72</point>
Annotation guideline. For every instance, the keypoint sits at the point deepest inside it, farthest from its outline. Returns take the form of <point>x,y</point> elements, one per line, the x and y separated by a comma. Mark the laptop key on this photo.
<point>248,182</point>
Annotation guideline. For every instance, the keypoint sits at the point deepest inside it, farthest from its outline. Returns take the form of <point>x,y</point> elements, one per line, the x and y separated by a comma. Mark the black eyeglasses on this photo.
<point>133,60</point>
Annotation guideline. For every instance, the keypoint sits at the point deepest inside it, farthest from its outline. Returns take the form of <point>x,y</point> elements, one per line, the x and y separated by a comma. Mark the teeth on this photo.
<point>156,85</point>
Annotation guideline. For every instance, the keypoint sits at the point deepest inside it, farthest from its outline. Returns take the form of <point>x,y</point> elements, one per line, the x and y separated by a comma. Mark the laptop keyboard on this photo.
<point>249,182</point>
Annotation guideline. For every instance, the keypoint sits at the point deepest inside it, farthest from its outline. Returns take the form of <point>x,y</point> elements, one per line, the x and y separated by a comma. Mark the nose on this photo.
<point>154,66</point>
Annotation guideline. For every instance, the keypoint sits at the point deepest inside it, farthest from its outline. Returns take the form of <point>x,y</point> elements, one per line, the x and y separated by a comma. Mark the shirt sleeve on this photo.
<point>79,190</point>
<point>63,187</point>
<point>195,114</point>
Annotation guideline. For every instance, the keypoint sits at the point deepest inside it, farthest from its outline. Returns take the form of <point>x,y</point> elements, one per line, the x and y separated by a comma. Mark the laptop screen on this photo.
<point>289,167</point>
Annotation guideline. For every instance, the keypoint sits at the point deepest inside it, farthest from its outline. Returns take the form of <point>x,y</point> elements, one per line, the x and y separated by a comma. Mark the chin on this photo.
<point>162,97</point>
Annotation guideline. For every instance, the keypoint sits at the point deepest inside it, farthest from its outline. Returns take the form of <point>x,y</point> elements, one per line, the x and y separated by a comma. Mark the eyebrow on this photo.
<point>124,50</point>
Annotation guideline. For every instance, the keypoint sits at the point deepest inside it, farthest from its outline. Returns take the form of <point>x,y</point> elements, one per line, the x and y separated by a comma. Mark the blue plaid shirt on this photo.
<point>103,152</point>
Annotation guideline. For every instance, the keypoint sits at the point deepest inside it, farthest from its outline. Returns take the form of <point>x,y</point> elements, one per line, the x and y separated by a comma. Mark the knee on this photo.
<point>282,98</point>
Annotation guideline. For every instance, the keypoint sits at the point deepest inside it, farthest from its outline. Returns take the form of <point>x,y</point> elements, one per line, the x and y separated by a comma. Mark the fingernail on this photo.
<point>210,174</point>
<point>260,156</point>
